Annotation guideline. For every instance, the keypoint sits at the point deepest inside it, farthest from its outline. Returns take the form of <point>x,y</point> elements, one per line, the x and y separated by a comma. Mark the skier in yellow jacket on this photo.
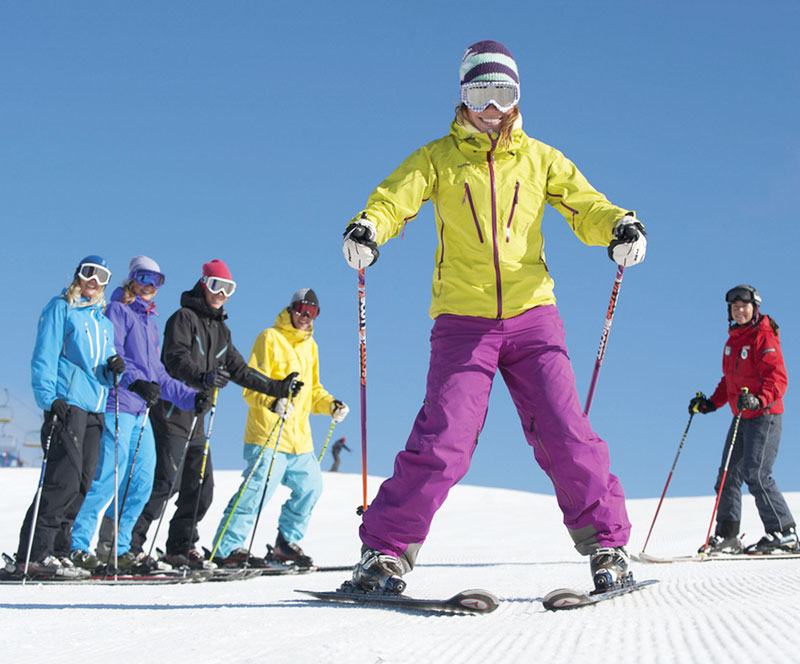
<point>288,346</point>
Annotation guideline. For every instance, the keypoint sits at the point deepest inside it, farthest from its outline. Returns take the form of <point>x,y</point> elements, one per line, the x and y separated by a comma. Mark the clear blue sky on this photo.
<point>253,131</point>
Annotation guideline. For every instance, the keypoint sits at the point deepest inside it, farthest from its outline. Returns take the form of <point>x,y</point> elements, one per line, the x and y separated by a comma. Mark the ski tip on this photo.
<point>476,600</point>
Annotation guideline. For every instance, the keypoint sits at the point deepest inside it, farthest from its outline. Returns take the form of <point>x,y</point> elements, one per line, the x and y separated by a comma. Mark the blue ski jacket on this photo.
<point>137,339</point>
<point>73,343</point>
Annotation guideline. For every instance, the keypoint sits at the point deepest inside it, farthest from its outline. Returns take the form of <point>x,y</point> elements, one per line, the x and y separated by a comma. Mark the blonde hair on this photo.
<point>128,294</point>
<point>73,294</point>
<point>506,126</point>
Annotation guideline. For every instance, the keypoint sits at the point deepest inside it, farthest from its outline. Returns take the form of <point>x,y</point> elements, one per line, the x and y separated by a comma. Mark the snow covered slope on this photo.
<point>509,542</point>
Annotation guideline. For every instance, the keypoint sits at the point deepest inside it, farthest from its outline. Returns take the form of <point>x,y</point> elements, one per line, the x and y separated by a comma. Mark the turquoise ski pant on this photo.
<point>299,472</point>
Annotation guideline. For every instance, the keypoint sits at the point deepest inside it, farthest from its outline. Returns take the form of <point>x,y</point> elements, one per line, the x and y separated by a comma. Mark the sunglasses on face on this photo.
<point>219,285</point>
<point>102,275</point>
<point>148,278</point>
<point>477,96</point>
<point>305,309</point>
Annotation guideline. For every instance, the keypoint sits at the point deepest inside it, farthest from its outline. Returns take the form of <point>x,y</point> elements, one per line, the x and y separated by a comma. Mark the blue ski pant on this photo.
<point>101,493</point>
<point>300,472</point>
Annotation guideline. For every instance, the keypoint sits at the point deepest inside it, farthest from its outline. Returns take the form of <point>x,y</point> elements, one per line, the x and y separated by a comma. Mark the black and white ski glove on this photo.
<point>339,410</point>
<point>289,386</point>
<point>282,407</point>
<point>116,364</point>
<point>360,249</point>
<point>629,244</point>
<point>748,401</point>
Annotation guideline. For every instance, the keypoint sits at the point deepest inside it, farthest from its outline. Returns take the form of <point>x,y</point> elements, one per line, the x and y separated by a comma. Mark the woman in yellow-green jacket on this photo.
<point>288,345</point>
<point>494,308</point>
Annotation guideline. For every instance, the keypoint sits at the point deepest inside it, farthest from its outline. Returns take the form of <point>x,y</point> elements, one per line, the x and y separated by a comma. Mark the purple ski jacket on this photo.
<point>136,338</point>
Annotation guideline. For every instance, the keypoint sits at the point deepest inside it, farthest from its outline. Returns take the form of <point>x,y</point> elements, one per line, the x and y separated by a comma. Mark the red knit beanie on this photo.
<point>217,268</point>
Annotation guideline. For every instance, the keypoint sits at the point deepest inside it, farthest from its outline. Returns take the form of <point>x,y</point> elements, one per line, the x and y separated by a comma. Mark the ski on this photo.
<point>568,598</point>
<point>699,558</point>
<point>18,579</point>
<point>465,602</point>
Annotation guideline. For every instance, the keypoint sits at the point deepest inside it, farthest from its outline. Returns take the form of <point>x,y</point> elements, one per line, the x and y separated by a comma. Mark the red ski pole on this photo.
<point>724,473</point>
<point>601,351</point>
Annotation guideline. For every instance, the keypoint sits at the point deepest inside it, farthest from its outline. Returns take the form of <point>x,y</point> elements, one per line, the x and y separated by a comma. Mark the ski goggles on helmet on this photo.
<point>477,96</point>
<point>743,294</point>
<point>148,278</point>
<point>219,285</point>
<point>305,309</point>
<point>102,275</point>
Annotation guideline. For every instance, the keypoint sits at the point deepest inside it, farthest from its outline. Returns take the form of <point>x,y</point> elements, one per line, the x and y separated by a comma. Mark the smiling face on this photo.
<point>147,293</point>
<point>90,288</point>
<point>488,120</point>
<point>742,312</point>
<point>214,300</point>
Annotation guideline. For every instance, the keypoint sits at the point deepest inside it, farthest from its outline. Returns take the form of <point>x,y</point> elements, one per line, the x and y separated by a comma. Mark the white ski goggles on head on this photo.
<point>477,96</point>
<point>102,275</point>
<point>219,285</point>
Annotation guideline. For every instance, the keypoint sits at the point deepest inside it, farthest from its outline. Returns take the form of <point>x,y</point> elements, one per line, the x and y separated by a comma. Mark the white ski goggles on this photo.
<point>477,96</point>
<point>102,275</point>
<point>219,285</point>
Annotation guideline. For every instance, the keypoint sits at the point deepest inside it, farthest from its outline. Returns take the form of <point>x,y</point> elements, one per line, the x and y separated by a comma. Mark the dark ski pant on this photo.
<point>753,456</point>
<point>169,450</point>
<point>71,464</point>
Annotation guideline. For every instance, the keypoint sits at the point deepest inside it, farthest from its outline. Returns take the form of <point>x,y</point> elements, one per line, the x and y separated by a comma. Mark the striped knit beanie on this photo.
<point>488,61</point>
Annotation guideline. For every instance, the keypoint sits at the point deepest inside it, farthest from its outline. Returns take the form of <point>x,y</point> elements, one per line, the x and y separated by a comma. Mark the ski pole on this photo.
<point>38,498</point>
<point>130,476</point>
<point>116,470</point>
<point>724,472</point>
<point>362,356</point>
<point>327,438</point>
<point>205,459</point>
<point>241,492</point>
<point>601,351</point>
<point>669,478</point>
<point>173,484</point>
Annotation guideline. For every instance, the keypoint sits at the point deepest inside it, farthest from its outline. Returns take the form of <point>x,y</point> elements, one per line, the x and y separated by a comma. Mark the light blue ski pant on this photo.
<point>101,493</point>
<point>299,472</point>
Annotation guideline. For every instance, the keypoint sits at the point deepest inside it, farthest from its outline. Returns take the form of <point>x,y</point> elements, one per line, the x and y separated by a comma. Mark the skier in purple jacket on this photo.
<point>145,381</point>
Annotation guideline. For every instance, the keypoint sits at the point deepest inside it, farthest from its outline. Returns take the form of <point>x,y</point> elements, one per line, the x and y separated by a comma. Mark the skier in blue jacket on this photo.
<point>145,380</point>
<point>72,368</point>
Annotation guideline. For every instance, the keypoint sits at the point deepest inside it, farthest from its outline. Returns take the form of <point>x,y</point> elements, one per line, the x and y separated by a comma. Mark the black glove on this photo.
<point>202,403</point>
<point>289,386</point>
<point>115,364</point>
<point>150,392</point>
<point>216,378</point>
<point>60,409</point>
<point>748,401</point>
<point>701,405</point>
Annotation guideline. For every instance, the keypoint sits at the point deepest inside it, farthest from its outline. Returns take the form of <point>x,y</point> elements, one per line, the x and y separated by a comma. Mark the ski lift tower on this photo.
<point>8,442</point>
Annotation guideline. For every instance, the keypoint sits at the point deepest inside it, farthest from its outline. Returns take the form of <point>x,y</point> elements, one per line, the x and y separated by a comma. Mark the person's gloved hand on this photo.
<point>339,410</point>
<point>218,377</point>
<point>115,364</point>
<point>748,401</point>
<point>282,407</point>
<point>700,404</point>
<point>289,386</point>
<point>629,245</point>
<point>202,403</point>
<point>360,249</point>
<point>60,409</point>
<point>150,392</point>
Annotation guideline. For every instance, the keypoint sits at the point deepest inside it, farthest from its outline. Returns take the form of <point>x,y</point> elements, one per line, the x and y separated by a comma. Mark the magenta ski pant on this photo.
<point>530,353</point>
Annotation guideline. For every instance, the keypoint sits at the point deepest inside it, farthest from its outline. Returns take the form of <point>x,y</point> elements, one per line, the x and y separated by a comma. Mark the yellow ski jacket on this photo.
<point>277,352</point>
<point>489,201</point>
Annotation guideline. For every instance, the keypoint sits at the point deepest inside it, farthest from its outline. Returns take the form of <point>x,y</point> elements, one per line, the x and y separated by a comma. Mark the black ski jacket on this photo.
<point>196,341</point>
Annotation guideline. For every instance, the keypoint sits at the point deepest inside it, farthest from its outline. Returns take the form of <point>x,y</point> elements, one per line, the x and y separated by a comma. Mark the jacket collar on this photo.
<point>138,305</point>
<point>283,323</point>
<point>475,144</point>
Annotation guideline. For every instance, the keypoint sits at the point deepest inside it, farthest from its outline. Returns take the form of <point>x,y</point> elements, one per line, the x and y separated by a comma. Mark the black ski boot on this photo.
<point>239,559</point>
<point>776,542</point>
<point>609,567</point>
<point>722,544</point>
<point>288,553</point>
<point>377,572</point>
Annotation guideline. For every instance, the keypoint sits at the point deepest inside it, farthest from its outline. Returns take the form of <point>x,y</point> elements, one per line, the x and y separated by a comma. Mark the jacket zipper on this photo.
<point>468,197</point>
<point>513,207</point>
<point>89,336</point>
<point>495,248</point>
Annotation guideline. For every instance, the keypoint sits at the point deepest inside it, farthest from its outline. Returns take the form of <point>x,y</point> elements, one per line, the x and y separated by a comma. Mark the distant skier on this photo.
<point>132,310</point>
<point>336,451</point>
<point>73,366</point>
<point>494,308</point>
<point>753,359</point>
<point>198,350</point>
<point>288,345</point>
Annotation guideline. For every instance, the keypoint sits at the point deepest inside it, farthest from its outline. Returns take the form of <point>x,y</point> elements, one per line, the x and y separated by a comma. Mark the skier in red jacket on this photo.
<point>752,359</point>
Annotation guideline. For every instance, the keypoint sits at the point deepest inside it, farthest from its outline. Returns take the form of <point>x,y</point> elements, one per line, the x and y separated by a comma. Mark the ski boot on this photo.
<point>239,559</point>
<point>609,567</point>
<point>377,572</point>
<point>288,553</point>
<point>721,544</point>
<point>776,542</point>
<point>52,566</point>
<point>191,559</point>
<point>84,560</point>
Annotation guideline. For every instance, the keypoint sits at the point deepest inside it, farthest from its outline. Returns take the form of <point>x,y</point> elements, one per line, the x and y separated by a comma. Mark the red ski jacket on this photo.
<point>753,359</point>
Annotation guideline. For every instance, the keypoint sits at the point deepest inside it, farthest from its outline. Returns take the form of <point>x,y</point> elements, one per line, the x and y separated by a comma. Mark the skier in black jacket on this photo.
<point>197,350</point>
